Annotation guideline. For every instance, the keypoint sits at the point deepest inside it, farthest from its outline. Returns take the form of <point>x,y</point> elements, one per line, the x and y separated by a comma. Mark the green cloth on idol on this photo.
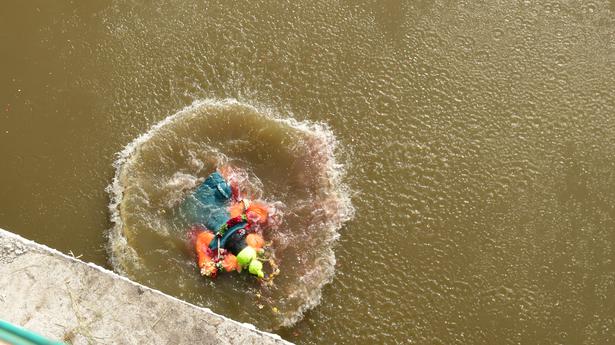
<point>208,204</point>
<point>246,256</point>
<point>256,268</point>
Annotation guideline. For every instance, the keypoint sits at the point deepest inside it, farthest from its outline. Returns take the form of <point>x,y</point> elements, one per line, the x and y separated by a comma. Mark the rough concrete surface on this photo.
<point>66,299</point>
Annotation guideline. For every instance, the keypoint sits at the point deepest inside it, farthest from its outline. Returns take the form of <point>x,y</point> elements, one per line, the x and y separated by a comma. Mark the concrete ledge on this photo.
<point>66,299</point>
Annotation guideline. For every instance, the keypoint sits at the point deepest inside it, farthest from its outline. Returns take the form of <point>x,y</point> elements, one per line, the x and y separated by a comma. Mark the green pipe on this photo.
<point>14,335</point>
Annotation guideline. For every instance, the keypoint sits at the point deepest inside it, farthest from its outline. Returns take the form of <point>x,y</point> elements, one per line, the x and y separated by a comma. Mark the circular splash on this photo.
<point>285,161</point>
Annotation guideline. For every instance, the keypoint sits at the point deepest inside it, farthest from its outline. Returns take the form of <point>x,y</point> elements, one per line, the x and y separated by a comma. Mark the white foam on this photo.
<point>121,253</point>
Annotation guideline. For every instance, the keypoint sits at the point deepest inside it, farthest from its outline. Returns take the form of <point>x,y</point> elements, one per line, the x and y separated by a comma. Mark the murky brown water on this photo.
<point>478,139</point>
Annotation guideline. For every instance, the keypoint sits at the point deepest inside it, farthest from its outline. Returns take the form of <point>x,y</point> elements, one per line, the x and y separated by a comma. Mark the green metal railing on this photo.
<point>13,335</point>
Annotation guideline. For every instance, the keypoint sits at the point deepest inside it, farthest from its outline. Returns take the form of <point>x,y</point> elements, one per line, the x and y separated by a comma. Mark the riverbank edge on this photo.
<point>64,298</point>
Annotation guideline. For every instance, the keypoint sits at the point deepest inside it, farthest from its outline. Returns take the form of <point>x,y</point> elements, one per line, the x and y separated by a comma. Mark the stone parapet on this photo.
<point>63,298</point>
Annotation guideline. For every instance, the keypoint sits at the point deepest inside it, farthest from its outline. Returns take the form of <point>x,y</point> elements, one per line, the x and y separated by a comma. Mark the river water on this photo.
<point>468,146</point>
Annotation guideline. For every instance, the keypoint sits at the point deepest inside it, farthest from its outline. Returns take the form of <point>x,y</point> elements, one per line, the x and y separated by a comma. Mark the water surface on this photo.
<point>477,138</point>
